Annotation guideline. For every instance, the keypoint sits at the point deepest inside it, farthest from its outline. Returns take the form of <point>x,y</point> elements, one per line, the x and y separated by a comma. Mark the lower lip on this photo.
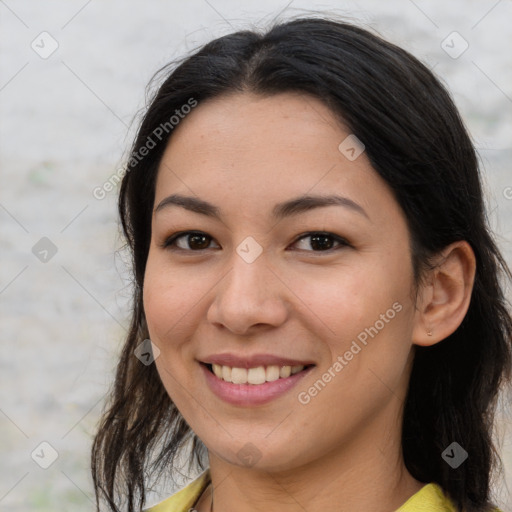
<point>251,394</point>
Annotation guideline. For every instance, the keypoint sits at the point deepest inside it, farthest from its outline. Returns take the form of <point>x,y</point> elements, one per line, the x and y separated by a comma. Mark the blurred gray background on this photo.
<point>72,77</point>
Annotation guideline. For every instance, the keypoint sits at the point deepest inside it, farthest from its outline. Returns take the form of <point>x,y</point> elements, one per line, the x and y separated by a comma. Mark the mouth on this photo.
<point>249,387</point>
<point>254,376</point>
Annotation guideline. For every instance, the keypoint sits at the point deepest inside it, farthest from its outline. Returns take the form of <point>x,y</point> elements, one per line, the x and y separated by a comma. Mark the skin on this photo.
<point>341,451</point>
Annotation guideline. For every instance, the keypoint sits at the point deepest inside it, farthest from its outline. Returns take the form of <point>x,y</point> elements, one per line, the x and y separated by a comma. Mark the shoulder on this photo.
<point>185,498</point>
<point>430,498</point>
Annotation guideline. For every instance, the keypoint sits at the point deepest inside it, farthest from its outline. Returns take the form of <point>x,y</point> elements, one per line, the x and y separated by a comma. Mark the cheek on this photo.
<point>365,310</point>
<point>166,304</point>
<point>167,299</point>
<point>158,307</point>
<point>344,298</point>
<point>169,295</point>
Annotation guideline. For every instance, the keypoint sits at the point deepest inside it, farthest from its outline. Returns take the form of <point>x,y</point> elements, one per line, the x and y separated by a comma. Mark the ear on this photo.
<point>443,300</point>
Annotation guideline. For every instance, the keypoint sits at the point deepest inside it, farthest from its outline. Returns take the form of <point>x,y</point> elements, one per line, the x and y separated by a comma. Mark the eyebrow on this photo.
<point>281,210</point>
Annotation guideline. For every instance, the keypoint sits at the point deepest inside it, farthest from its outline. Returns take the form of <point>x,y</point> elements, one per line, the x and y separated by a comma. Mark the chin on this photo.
<point>251,455</point>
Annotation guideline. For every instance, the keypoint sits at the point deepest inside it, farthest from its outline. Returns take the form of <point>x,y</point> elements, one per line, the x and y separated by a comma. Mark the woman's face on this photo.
<point>257,281</point>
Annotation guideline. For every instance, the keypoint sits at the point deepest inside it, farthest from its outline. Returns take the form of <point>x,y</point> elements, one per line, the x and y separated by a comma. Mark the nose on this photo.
<point>249,297</point>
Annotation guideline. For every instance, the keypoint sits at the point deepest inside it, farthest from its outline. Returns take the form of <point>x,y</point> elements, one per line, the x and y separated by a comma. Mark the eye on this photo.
<point>196,239</point>
<point>323,241</point>
<point>199,241</point>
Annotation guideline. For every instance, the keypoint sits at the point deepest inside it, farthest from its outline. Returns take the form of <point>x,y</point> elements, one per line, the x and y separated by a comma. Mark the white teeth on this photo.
<point>239,375</point>
<point>285,371</point>
<point>226,373</point>
<point>272,373</point>
<point>255,376</point>
<point>217,369</point>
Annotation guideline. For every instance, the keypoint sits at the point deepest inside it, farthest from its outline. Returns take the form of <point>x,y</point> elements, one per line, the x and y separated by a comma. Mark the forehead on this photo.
<point>241,122</point>
<point>254,147</point>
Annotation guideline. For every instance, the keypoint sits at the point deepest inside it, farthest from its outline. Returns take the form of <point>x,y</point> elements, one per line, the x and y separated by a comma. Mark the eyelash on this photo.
<point>169,243</point>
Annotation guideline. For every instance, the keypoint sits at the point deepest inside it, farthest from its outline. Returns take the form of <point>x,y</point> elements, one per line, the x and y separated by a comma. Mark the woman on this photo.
<point>314,270</point>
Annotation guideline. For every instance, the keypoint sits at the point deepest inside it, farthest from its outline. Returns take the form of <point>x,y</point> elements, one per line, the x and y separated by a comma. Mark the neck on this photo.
<point>356,479</point>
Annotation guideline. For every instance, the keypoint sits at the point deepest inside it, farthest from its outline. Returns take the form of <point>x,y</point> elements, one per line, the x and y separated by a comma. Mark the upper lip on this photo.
<point>236,361</point>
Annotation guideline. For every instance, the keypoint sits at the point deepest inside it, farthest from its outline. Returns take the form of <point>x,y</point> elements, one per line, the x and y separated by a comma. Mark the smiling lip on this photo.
<point>253,361</point>
<point>251,394</point>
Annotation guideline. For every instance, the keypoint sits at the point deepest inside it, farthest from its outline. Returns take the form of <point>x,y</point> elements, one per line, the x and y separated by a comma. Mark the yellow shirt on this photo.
<point>430,498</point>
